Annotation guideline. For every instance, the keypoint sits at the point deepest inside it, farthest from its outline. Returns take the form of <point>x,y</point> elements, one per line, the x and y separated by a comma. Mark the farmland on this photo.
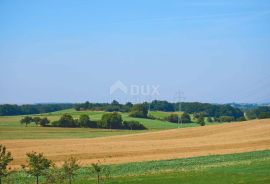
<point>250,167</point>
<point>10,127</point>
<point>158,145</point>
<point>223,152</point>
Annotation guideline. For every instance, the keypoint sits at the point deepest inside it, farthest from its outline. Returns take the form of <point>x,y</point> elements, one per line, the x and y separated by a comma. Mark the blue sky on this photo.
<point>73,51</point>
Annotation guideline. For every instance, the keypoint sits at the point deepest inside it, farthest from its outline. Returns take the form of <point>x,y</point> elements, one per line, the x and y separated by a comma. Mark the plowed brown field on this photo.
<point>169,144</point>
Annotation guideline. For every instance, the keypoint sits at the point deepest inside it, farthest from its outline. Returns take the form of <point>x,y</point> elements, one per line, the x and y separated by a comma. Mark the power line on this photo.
<point>180,97</point>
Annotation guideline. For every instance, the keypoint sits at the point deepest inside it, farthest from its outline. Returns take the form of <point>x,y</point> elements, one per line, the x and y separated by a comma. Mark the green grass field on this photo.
<point>10,127</point>
<point>252,167</point>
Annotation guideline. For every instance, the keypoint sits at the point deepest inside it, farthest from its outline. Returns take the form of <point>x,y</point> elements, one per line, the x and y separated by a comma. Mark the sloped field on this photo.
<point>169,144</point>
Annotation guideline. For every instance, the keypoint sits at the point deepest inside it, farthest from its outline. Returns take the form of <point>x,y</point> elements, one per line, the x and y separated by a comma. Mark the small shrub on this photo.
<point>133,125</point>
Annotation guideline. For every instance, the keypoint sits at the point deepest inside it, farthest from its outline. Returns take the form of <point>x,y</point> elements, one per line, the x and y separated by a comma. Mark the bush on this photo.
<point>111,120</point>
<point>84,121</point>
<point>209,120</point>
<point>241,119</point>
<point>201,121</point>
<point>226,119</point>
<point>264,115</point>
<point>185,118</point>
<point>139,111</point>
<point>66,120</point>
<point>44,121</point>
<point>133,125</point>
<point>55,124</point>
<point>172,118</point>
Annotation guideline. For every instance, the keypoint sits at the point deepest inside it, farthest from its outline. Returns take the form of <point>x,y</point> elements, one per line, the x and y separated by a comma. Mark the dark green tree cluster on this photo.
<point>225,119</point>
<point>66,120</point>
<point>109,107</point>
<point>139,111</point>
<point>37,120</point>
<point>133,125</point>
<point>212,110</point>
<point>165,106</point>
<point>258,113</point>
<point>108,120</point>
<point>111,121</point>
<point>183,118</point>
<point>114,121</point>
<point>10,110</point>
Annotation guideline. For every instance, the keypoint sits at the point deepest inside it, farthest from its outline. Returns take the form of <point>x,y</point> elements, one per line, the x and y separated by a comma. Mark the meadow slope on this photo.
<point>168,144</point>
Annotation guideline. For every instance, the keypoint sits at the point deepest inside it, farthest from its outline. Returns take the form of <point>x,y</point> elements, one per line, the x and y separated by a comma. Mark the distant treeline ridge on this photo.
<point>213,110</point>
<point>13,109</point>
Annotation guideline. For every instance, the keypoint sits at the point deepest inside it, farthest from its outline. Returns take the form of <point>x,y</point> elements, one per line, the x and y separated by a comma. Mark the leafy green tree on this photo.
<point>133,125</point>
<point>86,105</point>
<point>26,120</point>
<point>185,117</point>
<point>84,121</point>
<point>226,119</point>
<point>251,114</point>
<point>102,173</point>
<point>157,105</point>
<point>44,121</point>
<point>264,115</point>
<point>70,167</point>
<point>54,175</point>
<point>139,111</point>
<point>66,120</point>
<point>172,118</point>
<point>37,164</point>
<point>111,120</point>
<point>209,120</point>
<point>5,159</point>
<point>114,102</point>
<point>36,120</point>
<point>201,121</point>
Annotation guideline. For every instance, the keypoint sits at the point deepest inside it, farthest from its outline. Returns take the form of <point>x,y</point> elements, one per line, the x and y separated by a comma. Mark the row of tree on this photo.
<point>109,107</point>
<point>258,113</point>
<point>38,165</point>
<point>212,110</point>
<point>10,110</point>
<point>37,120</point>
<point>109,121</point>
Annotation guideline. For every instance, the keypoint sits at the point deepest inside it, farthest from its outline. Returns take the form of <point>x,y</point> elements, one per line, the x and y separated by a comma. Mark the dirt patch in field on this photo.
<point>169,144</point>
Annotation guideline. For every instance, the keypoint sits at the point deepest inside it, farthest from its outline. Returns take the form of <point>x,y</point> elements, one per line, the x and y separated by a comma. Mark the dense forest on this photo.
<point>10,109</point>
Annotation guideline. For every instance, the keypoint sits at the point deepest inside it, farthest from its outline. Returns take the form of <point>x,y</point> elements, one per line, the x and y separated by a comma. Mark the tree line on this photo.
<point>10,109</point>
<point>108,121</point>
<point>212,110</point>
<point>37,165</point>
<point>109,107</point>
<point>258,113</point>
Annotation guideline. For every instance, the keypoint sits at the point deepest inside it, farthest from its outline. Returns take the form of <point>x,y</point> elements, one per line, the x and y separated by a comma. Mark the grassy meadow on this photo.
<point>10,127</point>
